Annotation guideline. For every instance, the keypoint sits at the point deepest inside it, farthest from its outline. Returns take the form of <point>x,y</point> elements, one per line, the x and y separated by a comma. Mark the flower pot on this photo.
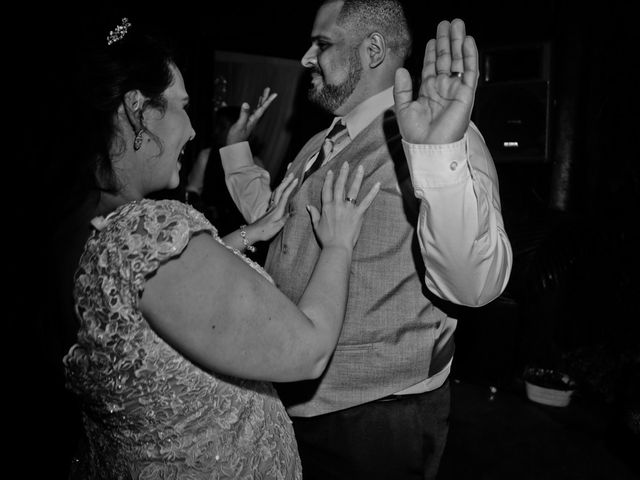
<point>548,396</point>
<point>548,387</point>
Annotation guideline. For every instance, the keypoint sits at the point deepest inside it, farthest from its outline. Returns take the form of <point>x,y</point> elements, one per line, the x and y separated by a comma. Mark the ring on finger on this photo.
<point>350,200</point>
<point>456,74</point>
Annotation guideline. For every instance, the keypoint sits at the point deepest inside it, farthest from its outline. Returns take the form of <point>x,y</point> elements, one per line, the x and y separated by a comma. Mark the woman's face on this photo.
<point>173,128</point>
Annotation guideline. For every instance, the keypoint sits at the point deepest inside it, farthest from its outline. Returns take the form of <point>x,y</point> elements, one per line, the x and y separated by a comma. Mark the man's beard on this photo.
<point>331,97</point>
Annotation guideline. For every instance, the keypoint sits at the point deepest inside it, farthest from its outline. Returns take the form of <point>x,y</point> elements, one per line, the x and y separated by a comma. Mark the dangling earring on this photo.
<point>137,142</point>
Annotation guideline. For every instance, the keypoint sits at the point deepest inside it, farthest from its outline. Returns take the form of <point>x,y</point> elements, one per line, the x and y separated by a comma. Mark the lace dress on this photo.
<point>148,412</point>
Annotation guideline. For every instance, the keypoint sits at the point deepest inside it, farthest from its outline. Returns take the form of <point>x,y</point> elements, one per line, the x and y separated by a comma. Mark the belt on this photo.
<point>395,397</point>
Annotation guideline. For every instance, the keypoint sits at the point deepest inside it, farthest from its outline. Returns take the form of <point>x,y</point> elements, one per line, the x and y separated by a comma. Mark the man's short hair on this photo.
<point>387,17</point>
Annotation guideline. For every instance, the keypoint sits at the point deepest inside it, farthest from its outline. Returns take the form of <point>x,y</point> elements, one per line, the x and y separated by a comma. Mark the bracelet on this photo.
<point>246,244</point>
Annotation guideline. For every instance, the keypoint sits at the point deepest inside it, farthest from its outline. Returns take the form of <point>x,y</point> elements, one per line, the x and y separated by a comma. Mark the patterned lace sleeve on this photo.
<point>161,230</point>
<point>127,247</point>
<point>156,231</point>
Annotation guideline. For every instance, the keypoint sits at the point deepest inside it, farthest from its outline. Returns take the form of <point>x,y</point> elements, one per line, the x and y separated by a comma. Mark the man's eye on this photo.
<point>323,46</point>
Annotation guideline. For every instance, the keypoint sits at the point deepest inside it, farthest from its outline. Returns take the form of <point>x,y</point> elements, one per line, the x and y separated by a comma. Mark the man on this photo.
<point>434,234</point>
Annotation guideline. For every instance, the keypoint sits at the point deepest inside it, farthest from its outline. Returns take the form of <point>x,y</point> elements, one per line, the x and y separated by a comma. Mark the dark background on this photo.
<point>571,213</point>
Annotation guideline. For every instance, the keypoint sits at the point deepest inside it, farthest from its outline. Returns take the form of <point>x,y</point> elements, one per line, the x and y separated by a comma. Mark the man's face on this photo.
<point>334,60</point>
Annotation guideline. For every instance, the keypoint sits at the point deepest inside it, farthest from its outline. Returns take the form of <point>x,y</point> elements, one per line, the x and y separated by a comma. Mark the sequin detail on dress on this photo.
<point>148,412</point>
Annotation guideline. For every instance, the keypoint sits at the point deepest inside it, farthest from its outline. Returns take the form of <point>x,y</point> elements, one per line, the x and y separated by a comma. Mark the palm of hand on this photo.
<point>237,133</point>
<point>440,114</point>
<point>442,111</point>
<point>241,130</point>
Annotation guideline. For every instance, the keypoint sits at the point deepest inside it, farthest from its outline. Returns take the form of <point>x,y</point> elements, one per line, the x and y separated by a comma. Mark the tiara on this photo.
<point>119,32</point>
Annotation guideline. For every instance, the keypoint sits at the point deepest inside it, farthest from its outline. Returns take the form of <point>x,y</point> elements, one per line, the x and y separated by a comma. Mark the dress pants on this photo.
<point>395,438</point>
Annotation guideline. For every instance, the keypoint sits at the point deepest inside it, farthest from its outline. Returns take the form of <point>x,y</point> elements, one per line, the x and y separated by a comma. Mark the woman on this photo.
<point>180,334</point>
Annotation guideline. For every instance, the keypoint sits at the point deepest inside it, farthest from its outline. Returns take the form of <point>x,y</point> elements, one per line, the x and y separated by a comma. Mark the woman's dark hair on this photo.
<point>134,62</point>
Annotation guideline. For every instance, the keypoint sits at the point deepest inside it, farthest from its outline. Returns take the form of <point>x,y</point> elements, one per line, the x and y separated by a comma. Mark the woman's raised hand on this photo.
<point>342,214</point>
<point>241,130</point>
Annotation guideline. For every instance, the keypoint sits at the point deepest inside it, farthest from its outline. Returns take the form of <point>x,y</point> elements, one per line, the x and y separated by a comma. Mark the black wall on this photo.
<point>592,57</point>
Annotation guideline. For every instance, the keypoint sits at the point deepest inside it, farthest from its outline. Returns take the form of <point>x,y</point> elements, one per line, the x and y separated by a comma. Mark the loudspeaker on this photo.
<point>513,102</point>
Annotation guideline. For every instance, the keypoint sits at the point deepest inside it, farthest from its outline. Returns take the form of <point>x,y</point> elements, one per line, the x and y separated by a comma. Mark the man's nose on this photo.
<point>309,59</point>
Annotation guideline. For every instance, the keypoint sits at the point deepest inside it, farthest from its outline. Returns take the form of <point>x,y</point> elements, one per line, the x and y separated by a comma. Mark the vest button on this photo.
<point>285,249</point>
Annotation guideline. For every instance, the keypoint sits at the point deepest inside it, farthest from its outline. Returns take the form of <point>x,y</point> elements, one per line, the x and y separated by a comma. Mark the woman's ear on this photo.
<point>376,49</point>
<point>133,103</point>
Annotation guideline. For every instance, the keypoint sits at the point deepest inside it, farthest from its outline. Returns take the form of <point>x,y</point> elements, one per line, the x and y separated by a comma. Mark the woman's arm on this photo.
<point>220,313</point>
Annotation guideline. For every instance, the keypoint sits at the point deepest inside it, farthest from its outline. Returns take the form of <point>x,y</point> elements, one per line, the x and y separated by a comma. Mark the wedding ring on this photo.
<point>456,74</point>
<point>350,200</point>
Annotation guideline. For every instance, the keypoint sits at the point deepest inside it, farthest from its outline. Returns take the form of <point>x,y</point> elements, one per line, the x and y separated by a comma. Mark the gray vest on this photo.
<point>391,323</point>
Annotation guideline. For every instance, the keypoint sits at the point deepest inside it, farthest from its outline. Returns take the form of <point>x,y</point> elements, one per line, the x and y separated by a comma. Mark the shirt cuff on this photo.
<point>235,156</point>
<point>434,166</point>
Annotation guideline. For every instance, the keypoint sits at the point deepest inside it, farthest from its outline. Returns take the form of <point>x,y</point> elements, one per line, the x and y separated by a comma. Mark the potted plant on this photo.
<point>545,256</point>
<point>548,386</point>
<point>570,287</point>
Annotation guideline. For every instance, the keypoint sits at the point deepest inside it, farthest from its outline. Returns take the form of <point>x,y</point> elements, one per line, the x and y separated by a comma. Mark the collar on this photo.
<point>364,113</point>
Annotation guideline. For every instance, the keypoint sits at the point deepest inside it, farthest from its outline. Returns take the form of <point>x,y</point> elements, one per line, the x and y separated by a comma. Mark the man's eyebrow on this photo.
<point>317,38</point>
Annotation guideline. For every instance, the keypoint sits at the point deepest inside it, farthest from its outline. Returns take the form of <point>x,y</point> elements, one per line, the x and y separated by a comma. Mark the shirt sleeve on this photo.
<point>249,185</point>
<point>464,245</point>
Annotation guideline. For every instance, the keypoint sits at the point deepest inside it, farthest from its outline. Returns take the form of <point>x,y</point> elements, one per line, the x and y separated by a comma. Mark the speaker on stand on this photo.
<point>512,106</point>
<point>513,112</point>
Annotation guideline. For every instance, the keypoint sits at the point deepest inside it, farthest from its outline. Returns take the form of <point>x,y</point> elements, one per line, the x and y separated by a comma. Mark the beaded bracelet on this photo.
<point>246,244</point>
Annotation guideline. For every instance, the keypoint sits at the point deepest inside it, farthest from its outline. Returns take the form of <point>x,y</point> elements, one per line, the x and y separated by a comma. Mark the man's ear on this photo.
<point>133,103</point>
<point>376,49</point>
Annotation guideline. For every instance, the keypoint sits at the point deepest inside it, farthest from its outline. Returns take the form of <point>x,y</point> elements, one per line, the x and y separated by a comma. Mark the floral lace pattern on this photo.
<point>148,411</point>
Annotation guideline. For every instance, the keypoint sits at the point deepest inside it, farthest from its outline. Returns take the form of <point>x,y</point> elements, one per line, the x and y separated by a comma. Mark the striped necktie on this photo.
<point>327,148</point>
